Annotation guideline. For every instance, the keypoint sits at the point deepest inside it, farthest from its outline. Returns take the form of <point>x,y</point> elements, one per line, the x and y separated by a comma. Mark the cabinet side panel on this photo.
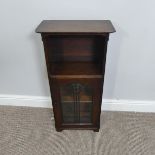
<point>97,101</point>
<point>53,87</point>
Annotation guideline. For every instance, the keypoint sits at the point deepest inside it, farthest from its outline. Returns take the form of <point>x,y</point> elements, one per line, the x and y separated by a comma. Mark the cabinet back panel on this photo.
<point>75,48</point>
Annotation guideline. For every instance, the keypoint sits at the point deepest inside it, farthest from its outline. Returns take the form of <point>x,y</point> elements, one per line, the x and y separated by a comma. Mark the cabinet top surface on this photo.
<point>75,26</point>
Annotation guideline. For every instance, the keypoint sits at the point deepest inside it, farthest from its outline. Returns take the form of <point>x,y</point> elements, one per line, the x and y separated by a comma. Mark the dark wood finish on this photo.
<point>97,97</point>
<point>75,54</point>
<point>75,26</point>
<point>76,68</point>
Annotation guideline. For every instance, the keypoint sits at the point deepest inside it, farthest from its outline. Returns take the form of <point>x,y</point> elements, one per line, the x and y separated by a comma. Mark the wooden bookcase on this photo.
<point>75,53</point>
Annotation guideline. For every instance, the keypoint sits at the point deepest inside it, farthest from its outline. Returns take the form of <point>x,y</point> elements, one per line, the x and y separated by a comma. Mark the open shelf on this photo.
<point>78,69</point>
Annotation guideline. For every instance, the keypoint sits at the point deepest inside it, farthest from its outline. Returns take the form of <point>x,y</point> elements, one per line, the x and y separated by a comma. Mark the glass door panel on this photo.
<point>76,101</point>
<point>67,102</point>
<point>86,102</point>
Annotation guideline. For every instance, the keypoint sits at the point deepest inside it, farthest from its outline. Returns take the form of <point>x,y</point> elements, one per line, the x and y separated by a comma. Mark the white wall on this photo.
<point>130,69</point>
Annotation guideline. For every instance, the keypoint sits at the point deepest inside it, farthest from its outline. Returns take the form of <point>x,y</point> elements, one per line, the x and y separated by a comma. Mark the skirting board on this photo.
<point>107,105</point>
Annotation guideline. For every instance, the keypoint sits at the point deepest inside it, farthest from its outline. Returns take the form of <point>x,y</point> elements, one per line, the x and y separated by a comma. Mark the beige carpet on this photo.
<point>30,131</point>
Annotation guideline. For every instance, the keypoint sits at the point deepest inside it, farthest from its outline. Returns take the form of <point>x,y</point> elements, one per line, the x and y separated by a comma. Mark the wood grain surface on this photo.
<point>75,26</point>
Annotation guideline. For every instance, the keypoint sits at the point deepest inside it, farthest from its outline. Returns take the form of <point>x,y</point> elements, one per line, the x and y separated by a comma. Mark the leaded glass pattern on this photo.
<point>76,102</point>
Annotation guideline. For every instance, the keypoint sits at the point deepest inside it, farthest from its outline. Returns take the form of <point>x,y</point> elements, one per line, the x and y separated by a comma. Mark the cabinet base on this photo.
<point>61,129</point>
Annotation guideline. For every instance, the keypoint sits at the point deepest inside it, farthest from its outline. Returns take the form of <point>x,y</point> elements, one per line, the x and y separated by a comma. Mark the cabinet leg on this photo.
<point>96,130</point>
<point>58,130</point>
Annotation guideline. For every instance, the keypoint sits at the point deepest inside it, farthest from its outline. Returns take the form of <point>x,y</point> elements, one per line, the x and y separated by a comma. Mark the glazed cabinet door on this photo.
<point>79,102</point>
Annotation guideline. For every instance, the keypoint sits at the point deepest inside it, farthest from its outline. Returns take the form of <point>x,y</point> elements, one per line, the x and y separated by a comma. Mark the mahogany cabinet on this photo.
<point>75,53</point>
